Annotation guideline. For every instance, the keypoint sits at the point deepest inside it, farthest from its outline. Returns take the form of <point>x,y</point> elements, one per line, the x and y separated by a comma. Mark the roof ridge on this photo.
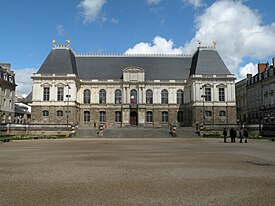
<point>128,55</point>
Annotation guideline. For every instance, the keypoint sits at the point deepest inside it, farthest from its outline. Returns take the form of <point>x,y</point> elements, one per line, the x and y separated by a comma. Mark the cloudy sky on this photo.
<point>243,30</point>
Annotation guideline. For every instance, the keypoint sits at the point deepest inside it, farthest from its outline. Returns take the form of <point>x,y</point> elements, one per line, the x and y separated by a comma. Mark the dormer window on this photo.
<point>133,74</point>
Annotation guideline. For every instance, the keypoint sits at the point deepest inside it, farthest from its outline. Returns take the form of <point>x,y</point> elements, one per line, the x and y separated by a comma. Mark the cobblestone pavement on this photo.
<point>168,171</point>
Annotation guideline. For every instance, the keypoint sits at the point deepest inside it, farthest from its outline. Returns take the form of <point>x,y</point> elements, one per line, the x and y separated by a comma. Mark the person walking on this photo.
<point>224,135</point>
<point>241,135</point>
<point>233,135</point>
<point>245,134</point>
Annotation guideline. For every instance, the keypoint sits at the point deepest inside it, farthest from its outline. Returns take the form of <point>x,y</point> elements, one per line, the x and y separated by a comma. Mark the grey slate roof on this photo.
<point>110,67</point>
<point>157,67</point>
<point>207,61</point>
<point>59,61</point>
<point>28,99</point>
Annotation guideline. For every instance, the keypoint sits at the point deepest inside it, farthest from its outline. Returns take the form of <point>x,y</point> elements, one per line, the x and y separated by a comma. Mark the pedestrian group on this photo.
<point>243,134</point>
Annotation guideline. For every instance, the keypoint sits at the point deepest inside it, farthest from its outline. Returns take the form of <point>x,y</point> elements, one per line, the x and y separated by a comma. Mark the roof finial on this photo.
<point>54,43</point>
<point>199,43</point>
<point>68,42</point>
<point>214,44</point>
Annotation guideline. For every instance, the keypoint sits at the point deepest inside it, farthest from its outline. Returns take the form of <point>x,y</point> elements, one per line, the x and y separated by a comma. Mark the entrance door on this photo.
<point>181,118</point>
<point>133,118</point>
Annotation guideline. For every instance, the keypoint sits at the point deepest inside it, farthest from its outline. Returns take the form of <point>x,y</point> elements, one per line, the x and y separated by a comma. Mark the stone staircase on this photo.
<point>135,132</point>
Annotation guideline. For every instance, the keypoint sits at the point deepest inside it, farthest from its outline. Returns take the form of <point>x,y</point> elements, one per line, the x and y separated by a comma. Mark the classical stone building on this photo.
<point>255,96</point>
<point>7,93</point>
<point>141,90</point>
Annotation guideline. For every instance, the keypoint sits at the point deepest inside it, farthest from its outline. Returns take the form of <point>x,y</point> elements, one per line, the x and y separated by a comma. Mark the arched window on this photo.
<point>133,96</point>
<point>208,113</point>
<point>118,96</point>
<point>87,96</point>
<point>102,96</point>
<point>45,113</point>
<point>180,97</point>
<point>86,116</point>
<point>149,116</point>
<point>149,96</point>
<point>164,96</point>
<point>222,113</point>
<point>59,113</point>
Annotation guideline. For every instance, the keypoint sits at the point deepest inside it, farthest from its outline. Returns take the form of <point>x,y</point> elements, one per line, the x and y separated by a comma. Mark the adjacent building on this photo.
<point>133,90</point>
<point>255,96</point>
<point>7,93</point>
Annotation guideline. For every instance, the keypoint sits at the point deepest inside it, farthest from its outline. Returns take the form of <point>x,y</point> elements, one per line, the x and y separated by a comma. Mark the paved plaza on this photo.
<point>159,171</point>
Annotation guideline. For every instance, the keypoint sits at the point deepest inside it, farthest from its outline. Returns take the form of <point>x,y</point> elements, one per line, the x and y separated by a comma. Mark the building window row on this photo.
<point>207,94</point>
<point>133,96</point>
<point>118,117</point>
<point>209,113</point>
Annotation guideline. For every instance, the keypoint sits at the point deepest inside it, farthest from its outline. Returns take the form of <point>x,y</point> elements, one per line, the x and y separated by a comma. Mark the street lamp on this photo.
<point>68,100</point>
<point>203,98</point>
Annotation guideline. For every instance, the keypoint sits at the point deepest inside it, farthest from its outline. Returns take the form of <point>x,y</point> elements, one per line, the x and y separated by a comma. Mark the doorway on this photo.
<point>133,118</point>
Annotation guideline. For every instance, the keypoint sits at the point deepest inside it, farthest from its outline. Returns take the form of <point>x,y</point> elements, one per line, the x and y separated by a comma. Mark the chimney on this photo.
<point>273,61</point>
<point>248,76</point>
<point>262,67</point>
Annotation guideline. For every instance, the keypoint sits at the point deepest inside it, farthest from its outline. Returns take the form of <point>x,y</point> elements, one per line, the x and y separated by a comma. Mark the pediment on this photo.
<point>207,85</point>
<point>133,69</point>
<point>60,84</point>
<point>221,85</point>
<point>133,74</point>
<point>46,84</point>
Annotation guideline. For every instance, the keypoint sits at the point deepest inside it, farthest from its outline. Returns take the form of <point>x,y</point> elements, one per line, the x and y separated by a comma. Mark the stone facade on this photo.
<point>7,93</point>
<point>256,98</point>
<point>134,99</point>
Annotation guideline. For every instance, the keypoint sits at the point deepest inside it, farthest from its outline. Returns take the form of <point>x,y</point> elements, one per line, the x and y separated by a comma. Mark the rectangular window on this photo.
<point>117,116</point>
<point>180,116</point>
<point>46,94</point>
<point>164,117</point>
<point>207,94</point>
<point>60,93</point>
<point>86,116</point>
<point>102,116</point>
<point>149,117</point>
<point>221,95</point>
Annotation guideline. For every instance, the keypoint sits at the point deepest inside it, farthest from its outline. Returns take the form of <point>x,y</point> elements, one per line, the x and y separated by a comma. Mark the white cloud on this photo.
<point>114,20</point>
<point>249,68</point>
<point>60,30</point>
<point>194,3</point>
<point>159,46</point>
<point>153,1</point>
<point>91,9</point>
<point>238,31</point>
<point>24,81</point>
